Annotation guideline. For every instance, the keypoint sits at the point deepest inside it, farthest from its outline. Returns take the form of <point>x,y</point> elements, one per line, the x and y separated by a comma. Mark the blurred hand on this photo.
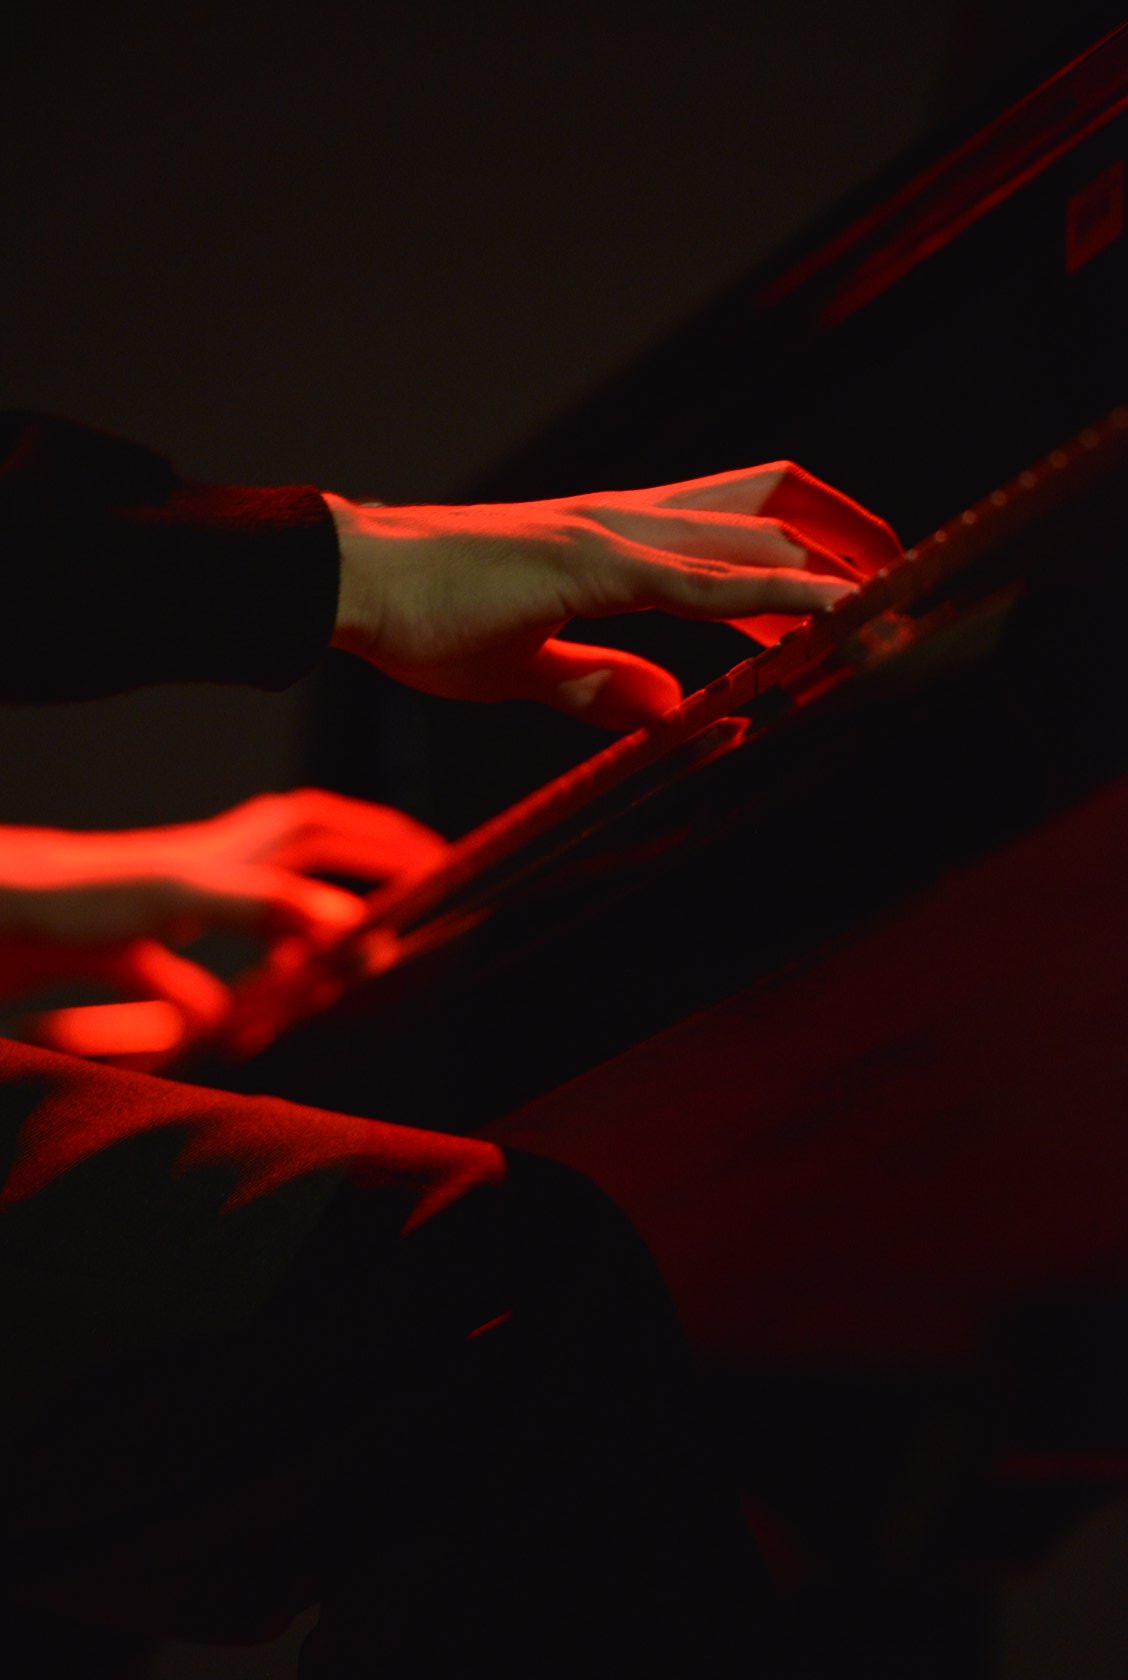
<point>114,906</point>
<point>467,602</point>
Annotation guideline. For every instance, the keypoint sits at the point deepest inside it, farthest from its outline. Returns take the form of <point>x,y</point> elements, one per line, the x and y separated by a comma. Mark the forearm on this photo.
<point>118,572</point>
<point>42,869</point>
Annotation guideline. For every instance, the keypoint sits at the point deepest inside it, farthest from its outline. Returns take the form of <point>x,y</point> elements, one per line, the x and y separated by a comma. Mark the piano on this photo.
<point>824,977</point>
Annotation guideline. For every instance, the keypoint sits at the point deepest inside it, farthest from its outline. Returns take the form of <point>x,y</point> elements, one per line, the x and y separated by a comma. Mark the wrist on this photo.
<point>356,608</point>
<point>31,858</point>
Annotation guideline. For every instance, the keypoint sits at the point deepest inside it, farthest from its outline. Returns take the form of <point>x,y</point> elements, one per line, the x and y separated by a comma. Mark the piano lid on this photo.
<point>955,323</point>
<point>937,256</point>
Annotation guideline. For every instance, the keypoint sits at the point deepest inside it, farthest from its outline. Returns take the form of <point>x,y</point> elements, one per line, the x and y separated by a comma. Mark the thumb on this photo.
<point>604,686</point>
<point>181,1000</point>
<point>149,969</point>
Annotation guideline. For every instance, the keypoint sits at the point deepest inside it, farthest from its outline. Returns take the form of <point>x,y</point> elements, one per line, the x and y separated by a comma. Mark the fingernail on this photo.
<point>835,593</point>
<point>578,693</point>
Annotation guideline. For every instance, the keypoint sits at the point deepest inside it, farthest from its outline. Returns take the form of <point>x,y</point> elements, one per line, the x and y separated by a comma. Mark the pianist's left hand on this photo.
<point>114,906</point>
<point>467,602</point>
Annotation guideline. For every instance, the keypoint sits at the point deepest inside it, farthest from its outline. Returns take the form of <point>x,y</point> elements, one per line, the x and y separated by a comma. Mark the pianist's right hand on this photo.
<point>467,602</point>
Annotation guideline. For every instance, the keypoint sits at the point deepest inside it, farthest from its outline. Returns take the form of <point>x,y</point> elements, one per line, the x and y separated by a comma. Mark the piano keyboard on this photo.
<point>799,655</point>
<point>402,920</point>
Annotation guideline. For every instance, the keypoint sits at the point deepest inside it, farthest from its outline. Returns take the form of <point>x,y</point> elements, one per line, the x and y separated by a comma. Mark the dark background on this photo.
<point>378,247</point>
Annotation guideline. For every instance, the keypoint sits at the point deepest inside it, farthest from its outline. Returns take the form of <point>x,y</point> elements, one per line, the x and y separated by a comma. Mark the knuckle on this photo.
<point>792,474</point>
<point>302,811</point>
<point>263,811</point>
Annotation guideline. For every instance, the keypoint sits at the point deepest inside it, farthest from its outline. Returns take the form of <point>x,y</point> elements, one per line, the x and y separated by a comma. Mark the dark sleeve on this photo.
<point>115,571</point>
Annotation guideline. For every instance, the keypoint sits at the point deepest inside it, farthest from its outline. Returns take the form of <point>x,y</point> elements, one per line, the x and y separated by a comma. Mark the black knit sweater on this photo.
<point>118,572</point>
